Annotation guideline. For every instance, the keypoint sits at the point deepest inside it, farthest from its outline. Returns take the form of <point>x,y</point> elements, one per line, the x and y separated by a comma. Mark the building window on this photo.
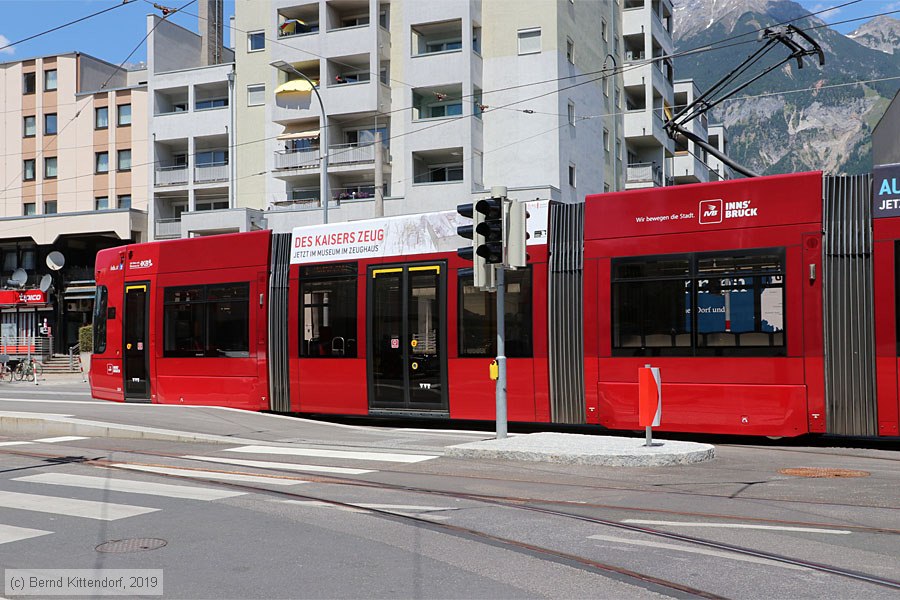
<point>50,167</point>
<point>211,321</point>
<point>101,117</point>
<point>328,312</point>
<point>571,114</point>
<point>123,115</point>
<point>124,201</point>
<point>256,95</point>
<point>28,83</point>
<point>605,188</point>
<point>606,145</point>
<point>29,126</point>
<point>101,162</point>
<point>606,86</point>
<point>478,316</point>
<point>572,175</point>
<point>29,208</point>
<point>28,169</point>
<point>101,203</point>
<point>49,207</point>
<point>219,205</point>
<point>570,52</point>
<point>529,41</point>
<point>708,304</point>
<point>603,29</point>
<point>441,173</point>
<point>256,40</point>
<point>476,40</point>
<point>50,80</point>
<point>123,162</point>
<point>50,124</point>
<point>211,158</point>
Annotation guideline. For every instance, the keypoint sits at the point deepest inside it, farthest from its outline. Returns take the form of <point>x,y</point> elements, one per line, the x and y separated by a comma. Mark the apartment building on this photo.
<point>649,91</point>
<point>190,89</point>
<point>465,94</point>
<point>74,139</point>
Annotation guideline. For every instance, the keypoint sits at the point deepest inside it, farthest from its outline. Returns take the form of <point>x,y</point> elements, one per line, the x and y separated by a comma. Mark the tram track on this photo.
<point>525,504</point>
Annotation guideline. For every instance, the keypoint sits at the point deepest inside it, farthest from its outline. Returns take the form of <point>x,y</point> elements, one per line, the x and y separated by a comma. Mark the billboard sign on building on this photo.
<point>886,192</point>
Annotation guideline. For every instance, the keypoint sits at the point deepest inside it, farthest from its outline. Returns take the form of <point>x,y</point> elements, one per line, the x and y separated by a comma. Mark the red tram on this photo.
<point>755,298</point>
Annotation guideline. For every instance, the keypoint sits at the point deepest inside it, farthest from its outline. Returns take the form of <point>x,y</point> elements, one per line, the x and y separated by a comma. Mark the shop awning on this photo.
<point>294,86</point>
<point>299,135</point>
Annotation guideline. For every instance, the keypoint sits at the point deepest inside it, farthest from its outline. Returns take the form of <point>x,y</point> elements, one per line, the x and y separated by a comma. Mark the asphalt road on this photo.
<point>391,517</point>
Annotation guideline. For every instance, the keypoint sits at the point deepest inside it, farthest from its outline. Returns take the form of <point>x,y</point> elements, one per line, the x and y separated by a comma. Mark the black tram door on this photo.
<point>135,330</point>
<point>406,310</point>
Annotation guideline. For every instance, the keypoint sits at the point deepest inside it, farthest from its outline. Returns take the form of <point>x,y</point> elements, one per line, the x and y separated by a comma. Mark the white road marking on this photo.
<point>347,454</point>
<point>262,464</point>
<point>71,507</point>
<point>64,438</point>
<point>9,533</point>
<point>738,526</point>
<point>210,475</point>
<point>704,551</point>
<point>318,504</point>
<point>14,443</point>
<point>137,487</point>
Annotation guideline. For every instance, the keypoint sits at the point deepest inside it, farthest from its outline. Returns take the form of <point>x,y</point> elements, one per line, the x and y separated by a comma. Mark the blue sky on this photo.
<point>110,36</point>
<point>113,35</point>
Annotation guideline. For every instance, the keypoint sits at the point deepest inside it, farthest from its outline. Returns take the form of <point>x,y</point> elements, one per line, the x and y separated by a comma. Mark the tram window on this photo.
<point>700,304</point>
<point>101,299</point>
<point>478,316</point>
<point>207,321</point>
<point>328,317</point>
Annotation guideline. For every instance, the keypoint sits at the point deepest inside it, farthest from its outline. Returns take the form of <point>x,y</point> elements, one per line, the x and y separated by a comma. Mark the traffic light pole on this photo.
<point>501,352</point>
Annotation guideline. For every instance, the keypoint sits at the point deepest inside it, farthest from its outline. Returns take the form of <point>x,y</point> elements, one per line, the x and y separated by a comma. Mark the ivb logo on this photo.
<point>710,212</point>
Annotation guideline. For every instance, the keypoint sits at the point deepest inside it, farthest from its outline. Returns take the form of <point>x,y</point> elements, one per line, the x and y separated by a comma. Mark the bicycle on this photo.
<point>6,373</point>
<point>28,370</point>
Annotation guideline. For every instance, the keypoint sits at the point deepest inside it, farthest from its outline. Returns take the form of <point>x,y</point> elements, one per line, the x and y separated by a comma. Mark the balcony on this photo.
<point>167,229</point>
<point>644,173</point>
<point>297,159</point>
<point>209,173</point>
<point>300,198</point>
<point>175,175</point>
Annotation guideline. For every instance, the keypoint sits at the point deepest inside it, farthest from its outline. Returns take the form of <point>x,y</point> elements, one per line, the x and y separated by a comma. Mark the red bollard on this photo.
<point>649,400</point>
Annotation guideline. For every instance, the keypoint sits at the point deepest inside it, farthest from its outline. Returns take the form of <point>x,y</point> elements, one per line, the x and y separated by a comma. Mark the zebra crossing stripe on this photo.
<point>283,466</point>
<point>10,533</point>
<point>239,477</point>
<point>71,507</point>
<point>129,486</point>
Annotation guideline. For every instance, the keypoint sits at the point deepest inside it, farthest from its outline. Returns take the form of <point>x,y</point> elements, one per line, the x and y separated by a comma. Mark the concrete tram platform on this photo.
<point>602,450</point>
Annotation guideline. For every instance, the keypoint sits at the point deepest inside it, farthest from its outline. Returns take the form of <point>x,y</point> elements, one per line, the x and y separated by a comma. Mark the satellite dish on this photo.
<point>18,278</point>
<point>46,281</point>
<point>55,260</point>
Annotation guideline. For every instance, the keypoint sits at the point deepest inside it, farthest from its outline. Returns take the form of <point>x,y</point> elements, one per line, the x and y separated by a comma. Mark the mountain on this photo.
<point>881,33</point>
<point>811,118</point>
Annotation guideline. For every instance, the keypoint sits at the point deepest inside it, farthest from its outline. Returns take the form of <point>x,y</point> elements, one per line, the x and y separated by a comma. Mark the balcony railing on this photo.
<point>176,175</point>
<point>167,228</point>
<point>340,154</point>
<point>309,197</point>
<point>643,172</point>
<point>343,154</point>
<point>211,172</point>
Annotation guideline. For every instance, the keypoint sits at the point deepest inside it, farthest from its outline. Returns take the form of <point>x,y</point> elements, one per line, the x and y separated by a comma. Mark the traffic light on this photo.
<point>483,273</point>
<point>490,230</point>
<point>515,234</point>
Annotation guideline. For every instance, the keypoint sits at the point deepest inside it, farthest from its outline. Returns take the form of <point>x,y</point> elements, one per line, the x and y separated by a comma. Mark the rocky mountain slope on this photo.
<point>881,33</point>
<point>817,117</point>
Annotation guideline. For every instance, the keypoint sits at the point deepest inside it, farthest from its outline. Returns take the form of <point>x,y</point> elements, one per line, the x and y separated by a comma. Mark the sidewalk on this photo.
<point>60,405</point>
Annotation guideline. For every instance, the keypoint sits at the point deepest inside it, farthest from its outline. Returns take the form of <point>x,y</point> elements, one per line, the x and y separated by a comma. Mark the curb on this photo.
<point>585,450</point>
<point>51,425</point>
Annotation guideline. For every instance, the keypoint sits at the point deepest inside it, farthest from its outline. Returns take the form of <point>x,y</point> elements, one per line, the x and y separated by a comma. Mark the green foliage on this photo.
<point>86,338</point>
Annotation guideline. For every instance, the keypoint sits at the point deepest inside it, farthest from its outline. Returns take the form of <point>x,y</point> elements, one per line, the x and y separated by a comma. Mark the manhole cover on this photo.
<point>819,472</point>
<point>131,545</point>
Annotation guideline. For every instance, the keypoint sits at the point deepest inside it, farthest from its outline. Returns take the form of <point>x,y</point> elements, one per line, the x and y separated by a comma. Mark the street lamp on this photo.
<point>285,66</point>
<point>615,116</point>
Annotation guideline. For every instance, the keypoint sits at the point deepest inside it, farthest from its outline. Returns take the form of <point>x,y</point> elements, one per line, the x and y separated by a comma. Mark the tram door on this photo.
<point>407,307</point>
<point>136,369</point>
